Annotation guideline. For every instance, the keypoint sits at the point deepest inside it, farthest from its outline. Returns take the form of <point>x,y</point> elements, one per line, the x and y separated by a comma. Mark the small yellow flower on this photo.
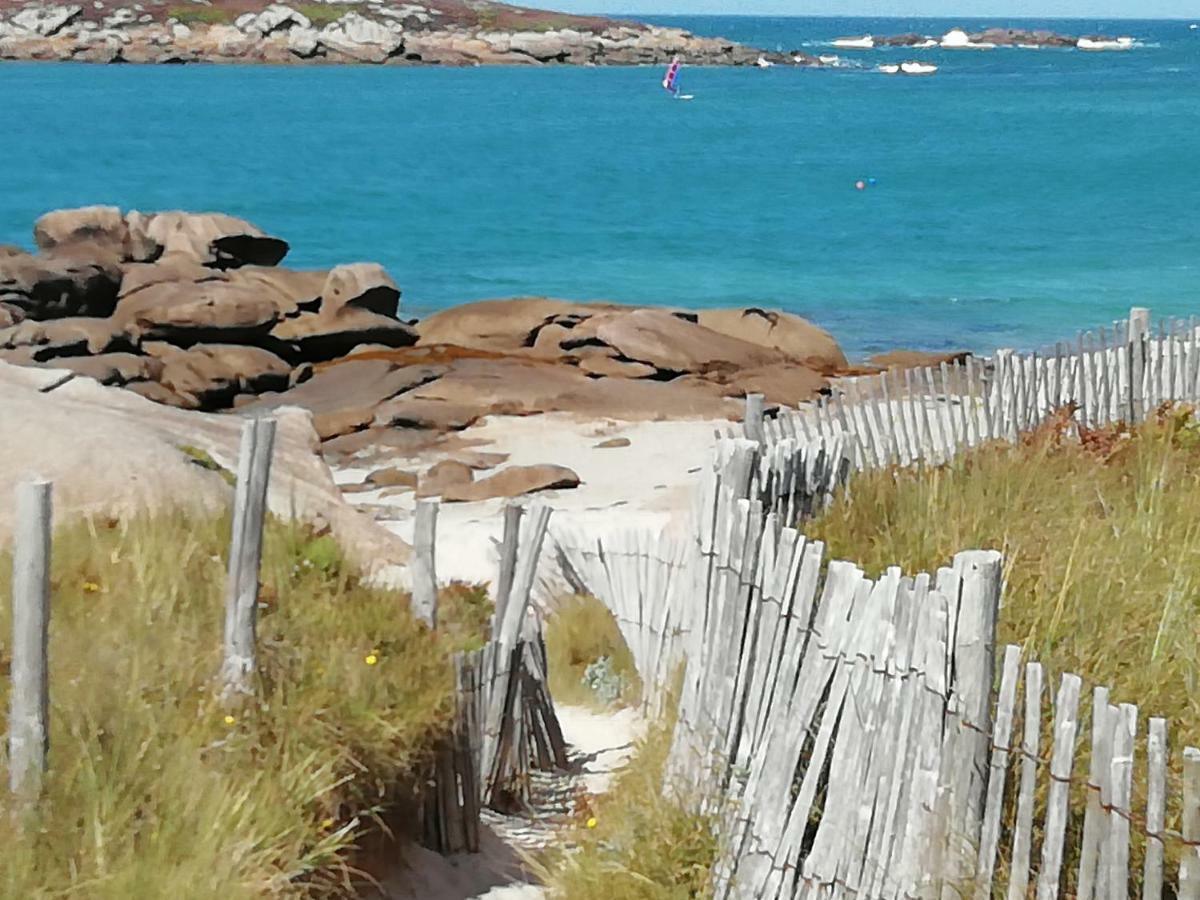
<point>326,824</point>
<point>90,587</point>
<point>591,823</point>
<point>371,659</point>
<point>230,720</point>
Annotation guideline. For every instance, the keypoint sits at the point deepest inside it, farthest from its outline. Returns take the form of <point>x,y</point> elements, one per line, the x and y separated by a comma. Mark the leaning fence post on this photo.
<point>424,573</point>
<point>28,735</point>
<point>1139,329</point>
<point>754,427</point>
<point>245,555</point>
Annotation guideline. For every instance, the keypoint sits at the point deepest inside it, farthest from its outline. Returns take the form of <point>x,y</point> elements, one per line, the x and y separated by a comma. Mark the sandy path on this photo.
<point>599,745</point>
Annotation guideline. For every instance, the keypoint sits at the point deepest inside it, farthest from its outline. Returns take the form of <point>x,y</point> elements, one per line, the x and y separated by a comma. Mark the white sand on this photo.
<point>651,482</point>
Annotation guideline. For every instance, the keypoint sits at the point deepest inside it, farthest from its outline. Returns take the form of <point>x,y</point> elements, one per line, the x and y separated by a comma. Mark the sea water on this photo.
<point>1017,195</point>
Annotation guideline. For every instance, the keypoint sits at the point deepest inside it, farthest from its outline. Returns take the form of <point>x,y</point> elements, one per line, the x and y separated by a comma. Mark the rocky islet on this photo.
<point>985,39</point>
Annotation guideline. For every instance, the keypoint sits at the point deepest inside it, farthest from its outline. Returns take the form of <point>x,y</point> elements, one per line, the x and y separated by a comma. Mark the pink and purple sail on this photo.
<point>671,81</point>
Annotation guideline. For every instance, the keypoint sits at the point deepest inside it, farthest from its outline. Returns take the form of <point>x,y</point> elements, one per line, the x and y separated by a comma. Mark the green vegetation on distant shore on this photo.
<point>322,14</point>
<point>190,14</point>
<point>585,651</point>
<point>154,788</point>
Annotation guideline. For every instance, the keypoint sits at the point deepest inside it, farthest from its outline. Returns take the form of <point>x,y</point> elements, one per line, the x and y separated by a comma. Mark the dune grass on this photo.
<point>156,790</point>
<point>640,842</point>
<point>585,651</point>
<point>1101,544</point>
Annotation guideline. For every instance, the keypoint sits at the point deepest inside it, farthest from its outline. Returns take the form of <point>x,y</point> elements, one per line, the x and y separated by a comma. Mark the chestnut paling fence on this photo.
<point>926,415</point>
<point>847,732</point>
<point>504,726</point>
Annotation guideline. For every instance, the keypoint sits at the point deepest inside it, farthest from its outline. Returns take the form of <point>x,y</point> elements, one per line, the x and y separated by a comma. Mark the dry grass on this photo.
<point>643,843</point>
<point>580,632</point>
<point>1101,547</point>
<point>1102,560</point>
<point>154,789</point>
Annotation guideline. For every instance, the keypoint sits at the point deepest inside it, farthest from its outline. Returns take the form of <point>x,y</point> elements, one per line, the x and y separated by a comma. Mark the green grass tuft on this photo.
<point>645,844</point>
<point>151,790</point>
<point>205,461</point>
<point>580,632</point>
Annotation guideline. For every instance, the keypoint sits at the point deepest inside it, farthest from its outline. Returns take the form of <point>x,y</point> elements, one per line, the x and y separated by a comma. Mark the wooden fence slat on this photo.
<point>1094,816</point>
<point>1139,327</point>
<point>1156,802</point>
<point>508,563</point>
<point>1189,864</point>
<point>753,421</point>
<point>1117,852</point>
<point>1018,883</point>
<point>424,571</point>
<point>29,701</point>
<point>245,555</point>
<point>990,836</point>
<point>1061,762</point>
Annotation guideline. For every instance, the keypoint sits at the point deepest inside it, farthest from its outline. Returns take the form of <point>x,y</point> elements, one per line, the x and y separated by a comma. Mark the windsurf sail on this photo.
<point>671,80</point>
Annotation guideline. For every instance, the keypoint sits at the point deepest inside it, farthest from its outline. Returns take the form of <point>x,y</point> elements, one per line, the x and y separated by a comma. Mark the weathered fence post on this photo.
<point>245,556</point>
<point>1139,330</point>
<point>424,572</point>
<point>28,735</point>
<point>754,427</point>
<point>1189,865</point>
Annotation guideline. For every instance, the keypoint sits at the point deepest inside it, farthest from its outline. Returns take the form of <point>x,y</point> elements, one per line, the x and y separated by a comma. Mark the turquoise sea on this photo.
<point>1018,194</point>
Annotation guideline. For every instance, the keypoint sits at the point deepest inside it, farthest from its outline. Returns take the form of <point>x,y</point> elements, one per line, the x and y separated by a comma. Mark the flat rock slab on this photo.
<point>514,481</point>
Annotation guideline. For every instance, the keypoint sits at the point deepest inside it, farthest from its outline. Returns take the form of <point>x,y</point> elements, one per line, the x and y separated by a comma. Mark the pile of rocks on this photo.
<point>434,32</point>
<point>187,309</point>
<point>193,310</point>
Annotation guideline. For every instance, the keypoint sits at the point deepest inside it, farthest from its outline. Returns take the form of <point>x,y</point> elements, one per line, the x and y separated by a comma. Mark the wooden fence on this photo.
<point>505,723</point>
<point>927,415</point>
<point>845,732</point>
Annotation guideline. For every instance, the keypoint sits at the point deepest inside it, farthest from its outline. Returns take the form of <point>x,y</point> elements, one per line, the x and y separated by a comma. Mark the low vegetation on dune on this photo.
<point>157,789</point>
<point>1101,549</point>
<point>589,662</point>
<point>639,841</point>
<point>1102,569</point>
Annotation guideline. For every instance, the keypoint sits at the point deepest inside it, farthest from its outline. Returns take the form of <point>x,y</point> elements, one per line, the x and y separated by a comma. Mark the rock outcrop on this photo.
<point>440,32</point>
<point>113,454</point>
<point>192,311</point>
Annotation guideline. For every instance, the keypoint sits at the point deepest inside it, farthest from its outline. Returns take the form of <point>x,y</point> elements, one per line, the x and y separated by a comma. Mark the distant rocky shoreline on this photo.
<point>430,32</point>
